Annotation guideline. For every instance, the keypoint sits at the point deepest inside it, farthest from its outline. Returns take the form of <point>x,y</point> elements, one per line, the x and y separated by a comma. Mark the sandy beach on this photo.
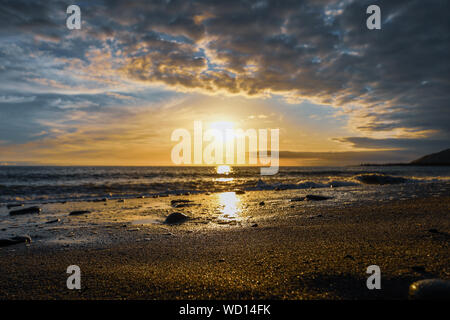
<point>257,245</point>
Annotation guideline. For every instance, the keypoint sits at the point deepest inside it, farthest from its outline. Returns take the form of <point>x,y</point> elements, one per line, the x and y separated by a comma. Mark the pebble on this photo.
<point>15,240</point>
<point>430,289</point>
<point>176,217</point>
<point>53,221</point>
<point>316,198</point>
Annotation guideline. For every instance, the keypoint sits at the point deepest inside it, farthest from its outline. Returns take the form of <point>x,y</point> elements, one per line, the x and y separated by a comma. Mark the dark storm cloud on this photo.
<point>396,78</point>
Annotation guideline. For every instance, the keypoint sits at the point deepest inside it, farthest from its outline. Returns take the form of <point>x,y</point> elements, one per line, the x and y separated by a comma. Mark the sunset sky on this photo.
<point>113,92</point>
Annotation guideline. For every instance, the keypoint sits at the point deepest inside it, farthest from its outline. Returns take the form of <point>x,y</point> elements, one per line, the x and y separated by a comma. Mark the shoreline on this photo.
<point>314,252</point>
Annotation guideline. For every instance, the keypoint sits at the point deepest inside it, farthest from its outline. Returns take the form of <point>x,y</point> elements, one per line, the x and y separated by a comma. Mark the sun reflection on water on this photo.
<point>223,169</point>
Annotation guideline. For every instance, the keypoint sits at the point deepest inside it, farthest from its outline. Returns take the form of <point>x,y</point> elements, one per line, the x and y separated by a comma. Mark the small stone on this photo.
<point>53,221</point>
<point>262,203</point>
<point>176,217</point>
<point>430,289</point>
<point>26,211</point>
<point>15,240</point>
<point>254,225</point>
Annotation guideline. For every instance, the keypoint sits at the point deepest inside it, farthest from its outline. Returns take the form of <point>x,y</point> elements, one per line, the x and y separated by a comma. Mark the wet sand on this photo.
<point>232,248</point>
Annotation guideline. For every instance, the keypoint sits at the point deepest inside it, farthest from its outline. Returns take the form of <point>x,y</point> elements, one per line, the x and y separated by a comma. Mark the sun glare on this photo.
<point>224,169</point>
<point>222,125</point>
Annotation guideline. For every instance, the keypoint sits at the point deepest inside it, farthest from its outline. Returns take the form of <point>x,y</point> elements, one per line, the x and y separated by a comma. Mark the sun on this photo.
<point>223,169</point>
<point>226,128</point>
<point>222,125</point>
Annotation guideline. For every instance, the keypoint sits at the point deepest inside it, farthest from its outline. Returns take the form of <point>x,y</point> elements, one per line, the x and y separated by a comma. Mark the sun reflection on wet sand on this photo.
<point>229,206</point>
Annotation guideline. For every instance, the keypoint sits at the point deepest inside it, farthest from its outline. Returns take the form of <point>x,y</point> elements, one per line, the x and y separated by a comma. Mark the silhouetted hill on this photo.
<point>435,159</point>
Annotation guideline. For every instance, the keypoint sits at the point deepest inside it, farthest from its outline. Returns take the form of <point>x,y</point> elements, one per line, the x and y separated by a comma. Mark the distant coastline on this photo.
<point>441,158</point>
<point>404,165</point>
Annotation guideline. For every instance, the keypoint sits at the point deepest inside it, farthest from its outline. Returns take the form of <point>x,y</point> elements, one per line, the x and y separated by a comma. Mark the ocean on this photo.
<point>59,184</point>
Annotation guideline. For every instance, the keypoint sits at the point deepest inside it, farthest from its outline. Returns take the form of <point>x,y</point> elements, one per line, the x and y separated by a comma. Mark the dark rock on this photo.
<point>262,203</point>
<point>298,199</point>
<point>316,198</point>
<point>240,192</point>
<point>380,179</point>
<point>25,211</point>
<point>121,200</point>
<point>78,213</point>
<point>430,289</point>
<point>53,221</point>
<point>176,217</point>
<point>14,240</point>
<point>254,225</point>
<point>13,205</point>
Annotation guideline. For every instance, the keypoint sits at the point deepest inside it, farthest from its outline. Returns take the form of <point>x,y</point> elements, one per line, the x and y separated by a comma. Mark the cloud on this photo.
<point>391,83</point>
<point>16,99</point>
<point>388,80</point>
